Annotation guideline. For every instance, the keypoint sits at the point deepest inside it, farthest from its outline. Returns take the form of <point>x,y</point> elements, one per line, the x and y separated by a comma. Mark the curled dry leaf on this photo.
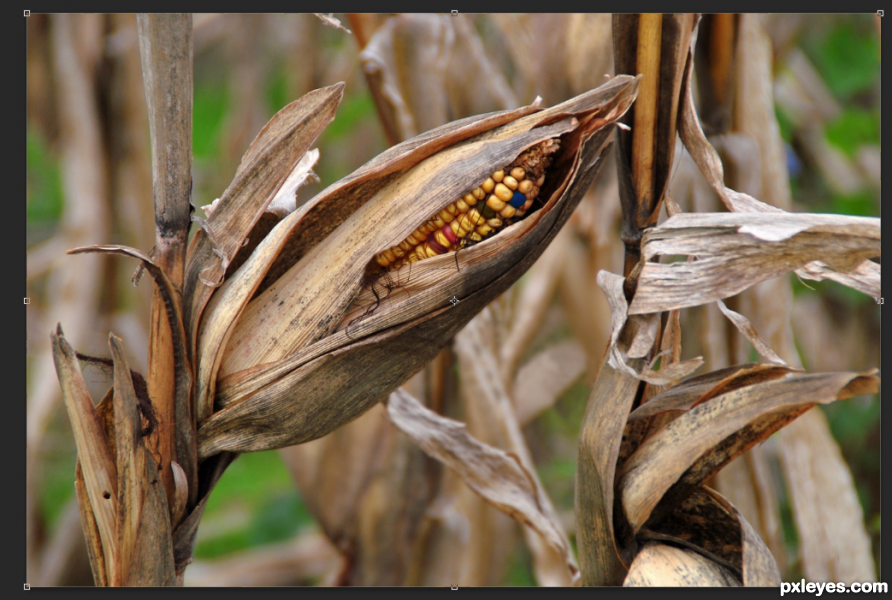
<point>497,476</point>
<point>286,385</point>
<point>738,250</point>
<point>860,275</point>
<point>677,459</point>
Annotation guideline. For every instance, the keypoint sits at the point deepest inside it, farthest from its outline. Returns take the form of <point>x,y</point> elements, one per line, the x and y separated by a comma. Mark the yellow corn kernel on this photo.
<point>540,181</point>
<point>382,260</point>
<point>488,185</point>
<point>507,212</point>
<point>389,255</point>
<point>437,222</point>
<point>510,182</point>
<point>405,245</point>
<point>504,194</point>
<point>469,199</point>
<point>498,176</point>
<point>397,251</point>
<point>484,230</point>
<point>462,205</point>
<point>525,186</point>
<point>495,222</point>
<point>428,251</point>
<point>495,203</point>
<point>518,173</point>
<point>474,237</point>
<point>445,216</point>
<point>442,239</point>
<point>479,193</point>
<point>451,209</point>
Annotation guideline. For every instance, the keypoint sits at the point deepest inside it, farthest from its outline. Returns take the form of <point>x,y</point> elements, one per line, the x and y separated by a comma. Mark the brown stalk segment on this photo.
<point>645,111</point>
<point>166,52</point>
<point>95,456</point>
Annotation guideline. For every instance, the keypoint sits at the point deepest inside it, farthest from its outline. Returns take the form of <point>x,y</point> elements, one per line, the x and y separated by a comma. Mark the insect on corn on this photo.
<point>503,198</point>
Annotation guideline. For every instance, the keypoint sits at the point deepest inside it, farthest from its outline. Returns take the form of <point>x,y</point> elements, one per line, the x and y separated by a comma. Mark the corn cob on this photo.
<point>506,196</point>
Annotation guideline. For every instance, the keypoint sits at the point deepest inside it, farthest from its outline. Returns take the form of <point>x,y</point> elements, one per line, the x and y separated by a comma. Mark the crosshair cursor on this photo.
<point>454,301</point>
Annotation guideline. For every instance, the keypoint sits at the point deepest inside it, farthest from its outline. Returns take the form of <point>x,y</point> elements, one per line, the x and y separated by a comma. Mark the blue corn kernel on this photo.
<point>517,200</point>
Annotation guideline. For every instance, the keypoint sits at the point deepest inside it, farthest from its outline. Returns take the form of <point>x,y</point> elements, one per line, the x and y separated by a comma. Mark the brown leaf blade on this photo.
<point>267,163</point>
<point>674,461</point>
<point>94,455</point>
<point>738,250</point>
<point>497,476</point>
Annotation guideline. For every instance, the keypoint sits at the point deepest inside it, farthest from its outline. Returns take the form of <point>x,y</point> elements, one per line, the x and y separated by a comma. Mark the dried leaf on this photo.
<point>691,448</point>
<point>826,522</point>
<point>599,443</point>
<point>738,250</point>
<point>264,168</point>
<point>130,458</point>
<point>185,421</point>
<point>542,380</point>
<point>744,326</point>
<point>396,340</point>
<point>499,477</point>
<point>758,565</point>
<point>94,455</point>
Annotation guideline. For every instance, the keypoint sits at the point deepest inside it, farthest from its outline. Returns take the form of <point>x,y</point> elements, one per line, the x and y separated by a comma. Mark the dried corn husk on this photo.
<point>278,385</point>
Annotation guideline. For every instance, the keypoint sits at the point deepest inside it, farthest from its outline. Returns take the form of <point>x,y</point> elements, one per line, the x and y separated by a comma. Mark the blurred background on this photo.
<point>267,522</point>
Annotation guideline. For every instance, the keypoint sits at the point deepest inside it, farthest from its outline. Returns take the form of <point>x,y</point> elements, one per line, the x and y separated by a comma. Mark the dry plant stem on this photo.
<point>363,30</point>
<point>645,123</point>
<point>721,48</point>
<point>166,52</point>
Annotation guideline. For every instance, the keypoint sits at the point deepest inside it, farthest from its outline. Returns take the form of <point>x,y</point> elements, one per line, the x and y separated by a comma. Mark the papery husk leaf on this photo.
<point>758,564</point>
<point>497,476</point>
<point>292,414</point>
<point>263,169</point>
<point>738,250</point>
<point>608,406</point>
<point>680,398</point>
<point>91,530</point>
<point>94,454</point>
<point>661,565</point>
<point>400,350</point>
<point>130,458</point>
<point>641,331</point>
<point>145,547</point>
<point>704,525</point>
<point>185,421</point>
<point>674,461</point>
<point>308,226</point>
<point>314,295</point>
<point>744,326</point>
